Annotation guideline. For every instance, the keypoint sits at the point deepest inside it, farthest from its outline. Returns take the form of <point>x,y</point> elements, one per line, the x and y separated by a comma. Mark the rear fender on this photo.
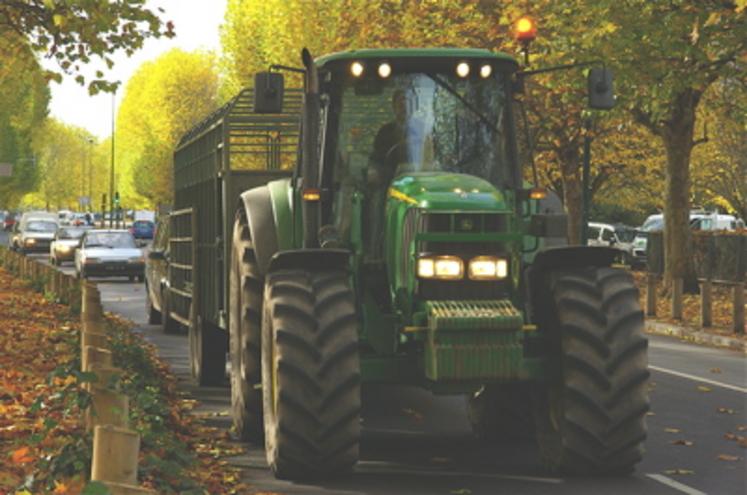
<point>537,275</point>
<point>268,214</point>
<point>311,259</point>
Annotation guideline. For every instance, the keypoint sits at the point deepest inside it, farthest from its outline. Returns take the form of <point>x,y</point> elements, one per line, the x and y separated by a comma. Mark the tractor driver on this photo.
<point>392,148</point>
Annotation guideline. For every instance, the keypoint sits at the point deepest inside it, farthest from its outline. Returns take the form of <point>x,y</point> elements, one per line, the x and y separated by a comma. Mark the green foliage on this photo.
<point>76,33</point>
<point>183,88</point>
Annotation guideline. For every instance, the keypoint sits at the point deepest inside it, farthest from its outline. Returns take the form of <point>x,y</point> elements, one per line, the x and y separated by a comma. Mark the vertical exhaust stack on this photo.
<point>311,197</point>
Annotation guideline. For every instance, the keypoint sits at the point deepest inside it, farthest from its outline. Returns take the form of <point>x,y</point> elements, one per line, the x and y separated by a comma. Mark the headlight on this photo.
<point>488,268</point>
<point>30,242</point>
<point>63,248</point>
<point>137,259</point>
<point>441,267</point>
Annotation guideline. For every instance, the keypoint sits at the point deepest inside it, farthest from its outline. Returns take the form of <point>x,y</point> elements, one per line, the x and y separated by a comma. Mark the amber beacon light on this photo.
<point>525,30</point>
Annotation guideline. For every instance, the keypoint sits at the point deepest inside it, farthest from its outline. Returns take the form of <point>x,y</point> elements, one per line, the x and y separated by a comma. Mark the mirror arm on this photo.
<point>555,68</point>
<point>288,68</point>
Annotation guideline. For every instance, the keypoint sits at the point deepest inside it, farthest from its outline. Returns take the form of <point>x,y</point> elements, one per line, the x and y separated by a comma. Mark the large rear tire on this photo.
<point>245,334</point>
<point>310,374</point>
<point>591,416</point>
<point>207,352</point>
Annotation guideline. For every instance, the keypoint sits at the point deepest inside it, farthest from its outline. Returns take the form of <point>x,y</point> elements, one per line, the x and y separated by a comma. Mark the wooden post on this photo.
<point>95,356</point>
<point>108,407</point>
<point>705,303</point>
<point>677,285</point>
<point>115,455</point>
<point>93,339</point>
<point>739,308</point>
<point>651,294</point>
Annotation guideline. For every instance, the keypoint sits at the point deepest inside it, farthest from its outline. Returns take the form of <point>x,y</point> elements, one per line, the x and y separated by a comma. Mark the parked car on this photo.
<point>33,233</point>
<point>106,253</point>
<point>66,241</point>
<point>142,229</point>
<point>157,279</point>
<point>617,236</point>
<point>9,221</point>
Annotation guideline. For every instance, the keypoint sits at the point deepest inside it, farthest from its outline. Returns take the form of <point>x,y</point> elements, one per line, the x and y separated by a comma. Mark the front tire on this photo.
<point>591,416</point>
<point>245,321</point>
<point>310,374</point>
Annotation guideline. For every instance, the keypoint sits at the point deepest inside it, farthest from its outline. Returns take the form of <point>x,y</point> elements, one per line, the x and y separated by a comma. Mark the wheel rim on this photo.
<point>274,371</point>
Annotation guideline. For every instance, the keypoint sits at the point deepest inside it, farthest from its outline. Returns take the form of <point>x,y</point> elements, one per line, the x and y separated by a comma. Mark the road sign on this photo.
<point>6,169</point>
<point>84,200</point>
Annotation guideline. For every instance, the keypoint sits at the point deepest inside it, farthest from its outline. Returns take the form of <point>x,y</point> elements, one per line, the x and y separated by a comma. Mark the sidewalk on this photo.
<point>695,335</point>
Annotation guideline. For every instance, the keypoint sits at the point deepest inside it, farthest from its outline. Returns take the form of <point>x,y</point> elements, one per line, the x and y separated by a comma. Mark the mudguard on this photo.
<point>549,259</point>
<point>310,259</point>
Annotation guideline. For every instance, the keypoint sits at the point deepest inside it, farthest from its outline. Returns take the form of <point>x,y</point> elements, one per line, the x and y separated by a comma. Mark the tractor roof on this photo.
<point>394,53</point>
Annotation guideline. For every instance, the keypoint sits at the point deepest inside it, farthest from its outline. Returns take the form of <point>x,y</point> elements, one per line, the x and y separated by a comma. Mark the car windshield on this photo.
<point>38,226</point>
<point>110,240</point>
<point>70,233</point>
<point>415,122</point>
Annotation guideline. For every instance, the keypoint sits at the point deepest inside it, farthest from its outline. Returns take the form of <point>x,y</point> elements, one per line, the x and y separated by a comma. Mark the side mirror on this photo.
<point>601,89</point>
<point>156,255</point>
<point>268,92</point>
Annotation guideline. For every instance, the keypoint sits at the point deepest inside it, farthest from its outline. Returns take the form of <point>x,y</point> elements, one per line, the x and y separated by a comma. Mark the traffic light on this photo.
<point>116,198</point>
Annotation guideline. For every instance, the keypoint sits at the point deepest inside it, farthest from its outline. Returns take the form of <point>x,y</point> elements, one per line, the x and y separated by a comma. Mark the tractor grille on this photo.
<point>457,223</point>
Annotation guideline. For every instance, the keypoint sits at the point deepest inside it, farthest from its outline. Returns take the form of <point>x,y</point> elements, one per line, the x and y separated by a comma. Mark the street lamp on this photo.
<point>111,169</point>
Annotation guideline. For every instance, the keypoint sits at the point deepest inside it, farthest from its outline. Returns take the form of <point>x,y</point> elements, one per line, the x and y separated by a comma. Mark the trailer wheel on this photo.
<point>502,412</point>
<point>310,374</point>
<point>591,415</point>
<point>168,324</point>
<point>207,352</point>
<point>245,321</point>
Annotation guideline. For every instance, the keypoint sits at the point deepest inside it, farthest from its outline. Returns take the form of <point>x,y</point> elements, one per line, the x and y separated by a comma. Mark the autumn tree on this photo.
<point>667,55</point>
<point>162,100</point>
<point>74,34</point>
<point>24,100</point>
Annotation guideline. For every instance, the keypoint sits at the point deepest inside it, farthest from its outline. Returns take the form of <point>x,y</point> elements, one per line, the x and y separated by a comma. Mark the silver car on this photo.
<point>109,253</point>
<point>66,241</point>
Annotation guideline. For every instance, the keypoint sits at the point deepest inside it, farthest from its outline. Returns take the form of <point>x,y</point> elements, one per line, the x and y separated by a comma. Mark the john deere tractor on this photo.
<point>404,247</point>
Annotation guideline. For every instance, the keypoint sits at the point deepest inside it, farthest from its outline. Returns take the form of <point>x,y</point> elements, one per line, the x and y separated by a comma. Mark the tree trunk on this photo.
<point>677,134</point>
<point>572,193</point>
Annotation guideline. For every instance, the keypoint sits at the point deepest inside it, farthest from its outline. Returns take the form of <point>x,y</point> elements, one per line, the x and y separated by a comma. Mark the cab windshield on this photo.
<point>422,122</point>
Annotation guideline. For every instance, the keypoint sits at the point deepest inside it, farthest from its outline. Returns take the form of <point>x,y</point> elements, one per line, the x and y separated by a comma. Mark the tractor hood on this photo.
<point>447,191</point>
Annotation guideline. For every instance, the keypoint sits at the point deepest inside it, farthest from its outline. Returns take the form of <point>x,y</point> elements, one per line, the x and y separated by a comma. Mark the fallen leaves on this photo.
<point>672,430</point>
<point>728,457</point>
<point>686,443</point>
<point>703,388</point>
<point>741,440</point>
<point>725,410</point>
<point>413,414</point>
<point>716,370</point>
<point>679,471</point>
<point>21,456</point>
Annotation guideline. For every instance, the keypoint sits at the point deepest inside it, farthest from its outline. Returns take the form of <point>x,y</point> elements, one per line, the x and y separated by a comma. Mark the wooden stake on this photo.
<point>705,303</point>
<point>677,284</point>
<point>93,356</point>
<point>107,408</point>
<point>739,308</point>
<point>651,294</point>
<point>115,455</point>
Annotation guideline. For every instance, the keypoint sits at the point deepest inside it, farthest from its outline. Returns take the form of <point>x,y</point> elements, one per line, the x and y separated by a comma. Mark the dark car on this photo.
<point>142,229</point>
<point>157,281</point>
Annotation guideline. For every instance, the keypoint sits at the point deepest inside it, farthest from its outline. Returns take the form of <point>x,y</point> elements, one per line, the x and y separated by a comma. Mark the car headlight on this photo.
<point>30,242</point>
<point>137,259</point>
<point>63,248</point>
<point>488,268</point>
<point>441,267</point>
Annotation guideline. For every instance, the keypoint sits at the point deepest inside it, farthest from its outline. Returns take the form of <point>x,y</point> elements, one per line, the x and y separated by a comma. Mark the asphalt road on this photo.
<point>416,443</point>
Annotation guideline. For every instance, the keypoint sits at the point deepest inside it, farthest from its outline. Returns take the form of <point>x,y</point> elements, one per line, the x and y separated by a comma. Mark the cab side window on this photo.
<point>608,235</point>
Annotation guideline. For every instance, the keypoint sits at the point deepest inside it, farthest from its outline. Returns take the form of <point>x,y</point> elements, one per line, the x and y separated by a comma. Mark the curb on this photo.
<point>695,336</point>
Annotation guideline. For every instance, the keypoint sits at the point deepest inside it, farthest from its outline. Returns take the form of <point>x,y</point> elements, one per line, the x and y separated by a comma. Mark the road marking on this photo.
<point>381,467</point>
<point>675,484</point>
<point>699,379</point>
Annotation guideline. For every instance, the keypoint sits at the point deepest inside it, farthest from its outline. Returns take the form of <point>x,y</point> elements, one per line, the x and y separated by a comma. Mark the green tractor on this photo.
<point>404,247</point>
